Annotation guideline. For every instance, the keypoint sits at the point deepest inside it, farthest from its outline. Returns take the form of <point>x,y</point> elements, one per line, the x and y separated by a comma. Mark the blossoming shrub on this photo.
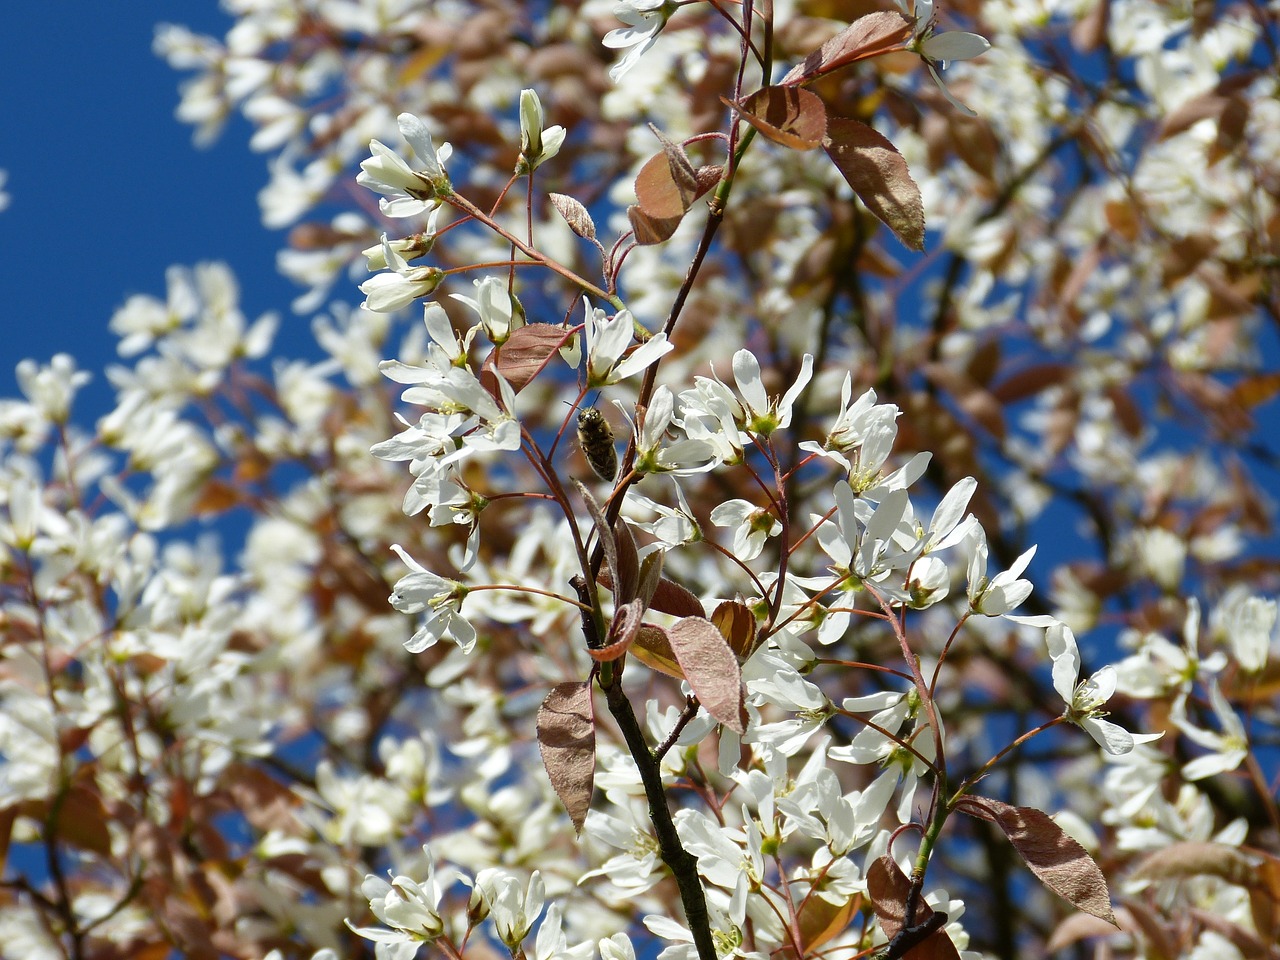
<point>705,507</point>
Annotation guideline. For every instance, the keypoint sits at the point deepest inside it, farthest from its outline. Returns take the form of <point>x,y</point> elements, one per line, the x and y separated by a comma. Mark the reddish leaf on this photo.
<point>650,576</point>
<point>607,542</point>
<point>1060,862</point>
<point>622,631</point>
<point>790,116</point>
<point>575,215</point>
<point>879,176</point>
<point>667,184</point>
<point>1196,859</point>
<point>820,919</point>
<point>652,647</point>
<point>1256,389</point>
<point>666,187</point>
<point>737,624</point>
<point>976,402</point>
<point>1079,926</point>
<point>888,888</point>
<point>868,36</point>
<point>526,352</point>
<point>1030,381</point>
<point>650,230</point>
<point>567,739</point>
<point>711,669</point>
<point>7,817</point>
<point>80,819</point>
<point>669,597</point>
<point>674,599</point>
<point>266,802</point>
<point>628,564</point>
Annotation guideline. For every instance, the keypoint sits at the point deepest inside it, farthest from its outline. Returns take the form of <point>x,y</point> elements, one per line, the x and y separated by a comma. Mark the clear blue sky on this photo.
<point>107,189</point>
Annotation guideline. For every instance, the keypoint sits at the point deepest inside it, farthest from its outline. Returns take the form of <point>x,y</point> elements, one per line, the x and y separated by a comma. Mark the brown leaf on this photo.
<point>737,624</point>
<point>976,402</point>
<point>790,116</point>
<point>628,564</point>
<point>267,803</point>
<point>667,184</point>
<point>607,542</point>
<point>650,230</point>
<point>1256,389</point>
<point>820,919</point>
<point>1076,927</point>
<point>526,352</point>
<point>1055,858</point>
<point>868,36</point>
<point>674,599</point>
<point>879,176</point>
<point>711,669</point>
<point>80,819</point>
<point>650,576</point>
<point>887,889</point>
<point>575,215</point>
<point>669,597</point>
<point>1089,31</point>
<point>1029,381</point>
<point>567,740</point>
<point>1195,859</point>
<point>1264,897</point>
<point>652,647</point>
<point>7,817</point>
<point>626,622</point>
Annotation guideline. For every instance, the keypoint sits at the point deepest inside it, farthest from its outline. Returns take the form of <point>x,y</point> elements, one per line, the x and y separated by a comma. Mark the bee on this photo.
<point>595,436</point>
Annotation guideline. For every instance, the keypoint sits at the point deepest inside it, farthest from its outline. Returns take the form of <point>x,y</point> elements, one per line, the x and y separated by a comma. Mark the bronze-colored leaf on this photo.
<point>1029,381</point>
<point>525,353</point>
<point>575,215</point>
<point>1060,862</point>
<point>737,624</point>
<point>887,889</point>
<point>567,740</point>
<point>668,597</point>
<point>628,563</point>
<point>820,919</point>
<point>711,669</point>
<point>879,176</point>
<point>868,36</point>
<point>791,116</point>
<point>652,647</point>
<point>667,184</point>
<point>650,230</point>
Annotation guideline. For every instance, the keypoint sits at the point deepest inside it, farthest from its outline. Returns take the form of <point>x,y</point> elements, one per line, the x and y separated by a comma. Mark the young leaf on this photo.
<point>879,176</point>
<point>888,888</point>
<point>820,920</point>
<point>652,647</point>
<point>607,542</point>
<point>667,184</point>
<point>790,116</point>
<point>868,36</point>
<point>628,563</point>
<point>711,669</point>
<point>575,215</point>
<point>650,230</point>
<point>1060,862</point>
<point>666,187</point>
<point>526,352</point>
<point>737,624</point>
<point>627,620</point>
<point>567,740</point>
<point>669,597</point>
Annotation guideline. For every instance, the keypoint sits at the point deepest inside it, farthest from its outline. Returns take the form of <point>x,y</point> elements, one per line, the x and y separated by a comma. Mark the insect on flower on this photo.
<point>595,436</point>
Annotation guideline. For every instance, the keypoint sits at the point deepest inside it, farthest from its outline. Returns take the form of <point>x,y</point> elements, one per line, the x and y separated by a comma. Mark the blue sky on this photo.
<point>107,189</point>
